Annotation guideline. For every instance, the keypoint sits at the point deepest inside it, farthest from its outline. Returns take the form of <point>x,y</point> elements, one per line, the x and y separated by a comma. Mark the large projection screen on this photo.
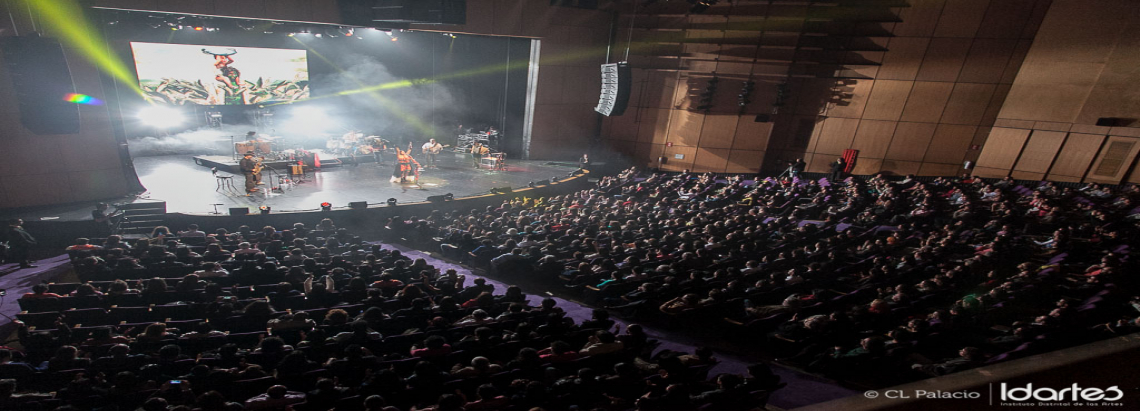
<point>183,74</point>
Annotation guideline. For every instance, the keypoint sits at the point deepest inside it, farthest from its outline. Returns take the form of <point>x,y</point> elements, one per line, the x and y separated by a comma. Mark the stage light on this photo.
<point>392,202</point>
<point>346,31</point>
<point>395,39</point>
<point>161,117</point>
<point>264,209</point>
<point>326,206</point>
<point>318,35</point>
<point>174,28</point>
<point>449,196</point>
<point>554,179</point>
<point>199,28</point>
<point>82,99</point>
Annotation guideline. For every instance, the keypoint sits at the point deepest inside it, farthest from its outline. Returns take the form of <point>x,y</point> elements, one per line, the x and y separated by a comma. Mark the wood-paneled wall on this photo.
<point>1080,68</point>
<point>919,101</point>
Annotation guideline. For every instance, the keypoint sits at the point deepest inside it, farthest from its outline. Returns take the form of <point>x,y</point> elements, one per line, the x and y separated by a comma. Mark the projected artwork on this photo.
<point>183,74</point>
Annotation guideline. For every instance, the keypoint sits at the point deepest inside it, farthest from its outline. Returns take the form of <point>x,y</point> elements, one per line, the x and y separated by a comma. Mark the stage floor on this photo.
<point>192,189</point>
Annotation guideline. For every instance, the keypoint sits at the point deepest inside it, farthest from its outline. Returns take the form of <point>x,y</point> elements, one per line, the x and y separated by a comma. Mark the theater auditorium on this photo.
<point>569,205</point>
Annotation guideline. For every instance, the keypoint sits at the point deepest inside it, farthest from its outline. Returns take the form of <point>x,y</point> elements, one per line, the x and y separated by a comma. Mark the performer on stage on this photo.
<point>478,150</point>
<point>405,166</point>
<point>252,172</point>
<point>431,148</point>
<point>584,162</point>
<point>378,148</point>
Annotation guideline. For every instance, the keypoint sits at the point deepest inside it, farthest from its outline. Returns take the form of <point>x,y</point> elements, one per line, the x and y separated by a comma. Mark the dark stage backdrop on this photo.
<point>422,85</point>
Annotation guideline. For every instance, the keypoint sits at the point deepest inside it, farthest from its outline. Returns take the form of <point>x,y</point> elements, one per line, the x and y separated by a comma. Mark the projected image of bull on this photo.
<point>179,74</point>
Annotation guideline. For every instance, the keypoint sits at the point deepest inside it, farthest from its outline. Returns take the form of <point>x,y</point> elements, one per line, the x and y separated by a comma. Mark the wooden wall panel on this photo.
<point>987,172</point>
<point>718,131</point>
<point>867,166</point>
<point>1002,147</point>
<point>685,127</point>
<point>751,135</point>
<point>936,169</point>
<point>672,163</point>
<point>949,144</point>
<point>1076,155</point>
<point>961,18</point>
<point>836,135</point>
<point>888,97</point>
<point>1006,18</point>
<point>852,107</point>
<point>873,138</point>
<point>926,101</point>
<point>910,141</point>
<point>903,58</point>
<point>920,18</point>
<point>744,161</point>
<point>943,60</point>
<point>1039,151</point>
<point>714,160</point>
<point>901,168</point>
<point>967,104</point>
<point>1026,175</point>
<point>987,60</point>
<point>1114,160</point>
<point>653,125</point>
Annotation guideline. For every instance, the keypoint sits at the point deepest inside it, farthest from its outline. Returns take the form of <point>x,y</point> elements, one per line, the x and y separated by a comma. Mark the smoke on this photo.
<point>407,111</point>
<point>201,141</point>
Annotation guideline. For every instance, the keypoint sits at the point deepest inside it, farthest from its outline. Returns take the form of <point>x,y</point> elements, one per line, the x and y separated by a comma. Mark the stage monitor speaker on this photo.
<point>437,199</point>
<point>1114,122</point>
<point>358,205</point>
<point>763,118</point>
<point>502,190</point>
<point>616,84</point>
<point>239,210</point>
<point>41,82</point>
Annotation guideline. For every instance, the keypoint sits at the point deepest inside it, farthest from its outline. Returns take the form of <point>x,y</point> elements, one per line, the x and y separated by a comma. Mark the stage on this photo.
<point>192,189</point>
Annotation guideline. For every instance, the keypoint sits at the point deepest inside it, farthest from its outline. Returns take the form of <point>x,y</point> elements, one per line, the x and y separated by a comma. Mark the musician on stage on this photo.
<point>405,166</point>
<point>478,150</point>
<point>431,148</point>
<point>378,148</point>
<point>251,170</point>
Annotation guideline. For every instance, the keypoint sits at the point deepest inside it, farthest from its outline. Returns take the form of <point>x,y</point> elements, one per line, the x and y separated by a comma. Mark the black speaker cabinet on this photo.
<point>615,89</point>
<point>41,81</point>
<point>239,210</point>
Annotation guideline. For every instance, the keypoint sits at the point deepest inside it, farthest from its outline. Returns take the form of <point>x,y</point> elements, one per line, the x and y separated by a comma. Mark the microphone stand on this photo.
<point>279,187</point>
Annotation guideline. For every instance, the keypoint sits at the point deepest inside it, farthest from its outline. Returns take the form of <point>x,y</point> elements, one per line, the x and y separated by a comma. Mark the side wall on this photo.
<point>1081,68</point>
<point>913,88</point>
<point>55,169</point>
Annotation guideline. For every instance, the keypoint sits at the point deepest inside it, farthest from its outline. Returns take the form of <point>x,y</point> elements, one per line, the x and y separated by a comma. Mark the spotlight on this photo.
<point>292,34</point>
<point>395,39</point>
<point>530,184</point>
<point>264,209</point>
<point>161,117</point>
<point>449,196</point>
<point>199,28</point>
<point>326,206</point>
<point>392,202</point>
